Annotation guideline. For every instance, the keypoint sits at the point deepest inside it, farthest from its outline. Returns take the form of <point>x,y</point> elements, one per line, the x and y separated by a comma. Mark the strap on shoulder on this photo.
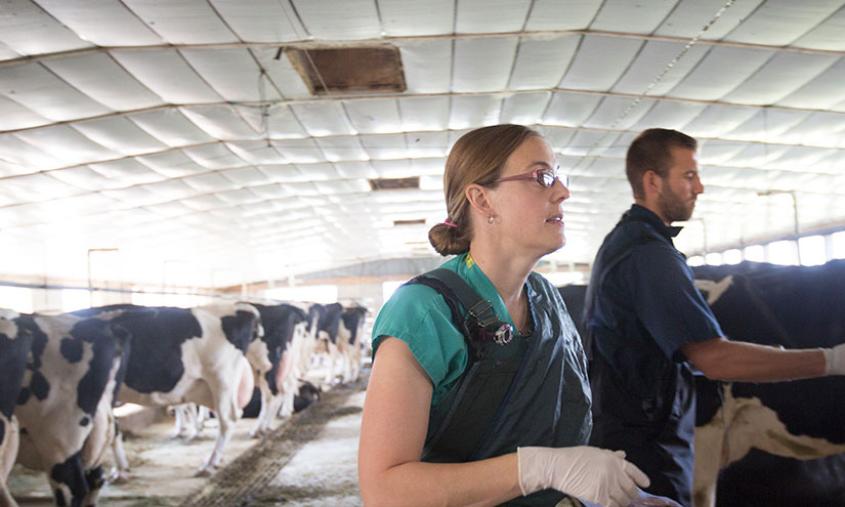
<point>475,305</point>
<point>480,322</point>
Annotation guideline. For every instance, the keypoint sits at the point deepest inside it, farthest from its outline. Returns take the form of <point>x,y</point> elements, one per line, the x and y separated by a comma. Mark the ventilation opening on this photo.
<point>395,183</point>
<point>371,69</point>
<point>420,221</point>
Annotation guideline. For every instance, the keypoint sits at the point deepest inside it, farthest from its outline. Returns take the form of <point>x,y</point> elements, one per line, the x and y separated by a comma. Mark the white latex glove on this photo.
<point>835,360</point>
<point>589,473</point>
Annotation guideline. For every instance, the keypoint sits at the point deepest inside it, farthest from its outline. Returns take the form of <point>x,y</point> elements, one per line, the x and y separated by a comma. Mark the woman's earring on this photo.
<point>491,219</point>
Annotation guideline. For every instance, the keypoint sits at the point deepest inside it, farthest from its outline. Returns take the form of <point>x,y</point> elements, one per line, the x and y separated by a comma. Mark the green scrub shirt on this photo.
<point>418,315</point>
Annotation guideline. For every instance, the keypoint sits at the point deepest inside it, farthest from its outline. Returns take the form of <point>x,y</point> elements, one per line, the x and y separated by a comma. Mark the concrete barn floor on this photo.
<point>308,460</point>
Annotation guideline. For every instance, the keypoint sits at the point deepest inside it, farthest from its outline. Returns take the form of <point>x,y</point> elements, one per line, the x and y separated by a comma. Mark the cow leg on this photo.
<point>266,414</point>
<point>350,359</point>
<point>224,394</point>
<point>356,361</point>
<point>286,406</point>
<point>287,396</point>
<point>9,439</point>
<point>273,408</point>
<point>121,463</point>
<point>178,421</point>
<point>266,396</point>
<point>290,391</point>
<point>709,444</point>
<point>354,368</point>
<point>332,357</point>
<point>189,421</point>
<point>273,405</point>
<point>287,385</point>
<point>99,440</point>
<point>95,479</point>
<point>6,499</point>
<point>223,437</point>
<point>339,362</point>
<point>103,432</point>
<point>328,380</point>
<point>202,416</point>
<point>343,363</point>
<point>67,480</point>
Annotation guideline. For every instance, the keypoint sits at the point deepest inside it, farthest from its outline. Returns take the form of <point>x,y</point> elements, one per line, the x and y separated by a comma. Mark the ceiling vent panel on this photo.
<point>394,183</point>
<point>370,69</point>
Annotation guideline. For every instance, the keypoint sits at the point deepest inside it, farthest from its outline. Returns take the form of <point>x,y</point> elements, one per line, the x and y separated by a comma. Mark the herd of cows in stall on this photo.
<point>60,376</point>
<point>756,444</point>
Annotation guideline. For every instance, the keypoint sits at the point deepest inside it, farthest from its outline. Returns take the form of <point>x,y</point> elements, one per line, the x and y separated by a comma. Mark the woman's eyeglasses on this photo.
<point>544,177</point>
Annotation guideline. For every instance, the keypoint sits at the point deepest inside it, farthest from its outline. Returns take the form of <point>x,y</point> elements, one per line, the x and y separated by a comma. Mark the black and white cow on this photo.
<point>340,333</point>
<point>191,355</point>
<point>14,349</point>
<point>773,444</point>
<point>273,359</point>
<point>350,336</point>
<point>327,329</point>
<point>72,368</point>
<point>776,444</point>
<point>315,312</point>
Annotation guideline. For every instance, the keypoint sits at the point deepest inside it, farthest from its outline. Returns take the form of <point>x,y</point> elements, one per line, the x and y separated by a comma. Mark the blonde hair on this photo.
<point>478,157</point>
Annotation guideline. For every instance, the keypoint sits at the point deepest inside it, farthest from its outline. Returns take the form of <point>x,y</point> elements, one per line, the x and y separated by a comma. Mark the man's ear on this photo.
<point>479,199</point>
<point>652,183</point>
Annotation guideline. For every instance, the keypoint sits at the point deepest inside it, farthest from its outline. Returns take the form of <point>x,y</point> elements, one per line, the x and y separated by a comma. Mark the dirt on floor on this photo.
<point>308,460</point>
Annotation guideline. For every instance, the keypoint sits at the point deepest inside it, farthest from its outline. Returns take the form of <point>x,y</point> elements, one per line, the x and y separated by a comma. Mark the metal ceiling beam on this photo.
<point>353,97</point>
<point>196,145</point>
<point>313,44</point>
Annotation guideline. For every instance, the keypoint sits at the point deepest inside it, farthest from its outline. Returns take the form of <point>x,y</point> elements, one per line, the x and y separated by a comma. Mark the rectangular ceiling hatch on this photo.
<point>369,69</point>
<point>395,183</point>
<point>420,221</point>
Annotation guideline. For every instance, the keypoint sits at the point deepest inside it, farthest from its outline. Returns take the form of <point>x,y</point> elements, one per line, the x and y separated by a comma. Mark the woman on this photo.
<point>504,200</point>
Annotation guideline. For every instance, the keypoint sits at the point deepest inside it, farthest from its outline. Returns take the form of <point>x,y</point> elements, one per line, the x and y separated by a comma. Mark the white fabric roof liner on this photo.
<point>180,129</point>
<point>423,17</point>
<point>102,22</point>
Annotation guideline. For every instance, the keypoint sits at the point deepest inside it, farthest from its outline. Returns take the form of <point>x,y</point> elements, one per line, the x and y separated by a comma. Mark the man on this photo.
<point>650,328</point>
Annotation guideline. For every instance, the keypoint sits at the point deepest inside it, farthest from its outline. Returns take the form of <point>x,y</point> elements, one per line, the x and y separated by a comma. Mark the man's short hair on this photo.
<point>651,151</point>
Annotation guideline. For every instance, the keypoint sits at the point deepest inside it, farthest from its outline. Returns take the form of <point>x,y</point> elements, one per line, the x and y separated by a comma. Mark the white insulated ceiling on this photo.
<point>176,132</point>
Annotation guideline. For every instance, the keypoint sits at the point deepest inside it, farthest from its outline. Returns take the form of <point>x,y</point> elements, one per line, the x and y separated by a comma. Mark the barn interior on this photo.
<point>190,152</point>
<point>240,147</point>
